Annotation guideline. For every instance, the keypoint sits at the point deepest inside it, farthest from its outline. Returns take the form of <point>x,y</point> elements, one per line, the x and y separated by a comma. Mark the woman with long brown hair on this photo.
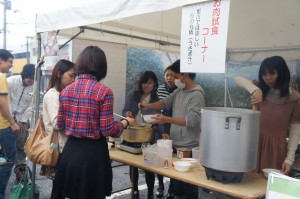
<point>63,74</point>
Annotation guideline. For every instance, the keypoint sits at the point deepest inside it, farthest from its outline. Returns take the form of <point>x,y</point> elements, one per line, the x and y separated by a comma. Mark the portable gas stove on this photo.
<point>223,176</point>
<point>135,148</point>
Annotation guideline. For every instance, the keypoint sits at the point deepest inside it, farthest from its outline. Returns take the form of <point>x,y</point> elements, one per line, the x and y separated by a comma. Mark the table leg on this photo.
<point>133,180</point>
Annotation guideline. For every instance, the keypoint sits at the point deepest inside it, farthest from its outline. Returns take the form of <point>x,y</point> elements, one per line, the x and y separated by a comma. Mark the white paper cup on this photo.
<point>196,153</point>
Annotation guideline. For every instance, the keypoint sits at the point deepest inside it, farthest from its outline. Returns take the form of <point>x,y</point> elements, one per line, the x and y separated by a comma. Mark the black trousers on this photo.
<point>161,183</point>
<point>149,177</point>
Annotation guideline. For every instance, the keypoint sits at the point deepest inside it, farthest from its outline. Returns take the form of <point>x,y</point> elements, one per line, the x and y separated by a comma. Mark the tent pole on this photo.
<point>81,31</point>
<point>161,42</point>
<point>225,89</point>
<point>257,50</point>
<point>36,104</point>
<point>225,78</point>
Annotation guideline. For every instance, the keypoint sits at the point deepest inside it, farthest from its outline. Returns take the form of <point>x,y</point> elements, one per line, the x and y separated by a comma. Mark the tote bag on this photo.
<point>23,189</point>
<point>37,134</point>
<point>42,148</point>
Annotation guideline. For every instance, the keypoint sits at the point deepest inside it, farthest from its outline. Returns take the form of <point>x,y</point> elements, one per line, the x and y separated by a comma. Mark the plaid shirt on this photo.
<point>86,110</point>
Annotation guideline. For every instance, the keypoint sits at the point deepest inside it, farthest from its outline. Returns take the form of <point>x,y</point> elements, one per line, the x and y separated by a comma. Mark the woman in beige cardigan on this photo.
<point>63,74</point>
<point>280,113</point>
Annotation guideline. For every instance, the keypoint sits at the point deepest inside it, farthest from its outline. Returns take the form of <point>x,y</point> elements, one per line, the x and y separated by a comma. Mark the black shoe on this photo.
<point>160,191</point>
<point>170,194</point>
<point>136,195</point>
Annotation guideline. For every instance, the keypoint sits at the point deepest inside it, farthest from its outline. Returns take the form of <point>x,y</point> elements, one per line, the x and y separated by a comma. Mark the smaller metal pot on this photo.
<point>138,134</point>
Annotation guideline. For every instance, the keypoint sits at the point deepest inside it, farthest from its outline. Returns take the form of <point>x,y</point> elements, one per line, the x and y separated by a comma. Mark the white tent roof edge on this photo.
<point>92,12</point>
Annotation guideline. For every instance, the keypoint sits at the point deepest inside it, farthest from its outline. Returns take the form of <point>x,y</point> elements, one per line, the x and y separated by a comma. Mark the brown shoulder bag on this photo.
<point>41,148</point>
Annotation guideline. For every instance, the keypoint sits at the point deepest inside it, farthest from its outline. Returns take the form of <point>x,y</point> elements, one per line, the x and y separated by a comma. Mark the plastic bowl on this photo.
<point>181,166</point>
<point>193,161</point>
<point>109,144</point>
<point>149,118</point>
<point>267,171</point>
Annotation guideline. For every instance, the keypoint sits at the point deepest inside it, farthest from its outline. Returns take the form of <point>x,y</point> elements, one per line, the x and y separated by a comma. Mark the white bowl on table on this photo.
<point>149,118</point>
<point>181,166</point>
<point>267,171</point>
<point>193,161</point>
<point>109,144</point>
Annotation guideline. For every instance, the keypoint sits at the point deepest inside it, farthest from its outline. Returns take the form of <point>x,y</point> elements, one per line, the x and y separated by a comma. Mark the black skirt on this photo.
<point>84,170</point>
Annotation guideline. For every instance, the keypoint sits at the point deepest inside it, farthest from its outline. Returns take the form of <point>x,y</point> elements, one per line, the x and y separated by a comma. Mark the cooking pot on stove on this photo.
<point>139,134</point>
<point>229,139</point>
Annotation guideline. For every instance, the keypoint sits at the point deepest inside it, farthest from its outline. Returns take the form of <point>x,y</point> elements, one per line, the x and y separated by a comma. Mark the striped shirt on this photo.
<point>163,91</point>
<point>86,110</point>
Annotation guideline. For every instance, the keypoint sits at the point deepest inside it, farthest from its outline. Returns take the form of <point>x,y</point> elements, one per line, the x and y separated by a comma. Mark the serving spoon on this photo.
<point>119,115</point>
<point>141,124</point>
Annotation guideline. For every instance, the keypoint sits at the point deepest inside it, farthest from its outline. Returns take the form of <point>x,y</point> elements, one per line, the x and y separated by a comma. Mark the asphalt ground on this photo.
<point>121,181</point>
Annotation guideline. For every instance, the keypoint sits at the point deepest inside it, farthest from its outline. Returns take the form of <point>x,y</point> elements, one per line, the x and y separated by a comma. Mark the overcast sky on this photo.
<point>19,23</point>
<point>20,19</point>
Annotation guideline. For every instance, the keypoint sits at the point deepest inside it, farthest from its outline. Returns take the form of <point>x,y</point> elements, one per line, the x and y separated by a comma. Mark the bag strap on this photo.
<point>55,133</point>
<point>29,172</point>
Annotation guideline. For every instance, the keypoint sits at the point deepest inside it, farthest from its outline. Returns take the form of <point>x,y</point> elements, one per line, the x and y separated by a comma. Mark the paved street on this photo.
<point>120,181</point>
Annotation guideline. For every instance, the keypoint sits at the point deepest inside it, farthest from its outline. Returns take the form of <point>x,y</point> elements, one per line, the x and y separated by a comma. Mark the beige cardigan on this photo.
<point>50,109</point>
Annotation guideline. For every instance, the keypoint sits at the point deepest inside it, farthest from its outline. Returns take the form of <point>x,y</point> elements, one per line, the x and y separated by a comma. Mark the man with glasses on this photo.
<point>8,126</point>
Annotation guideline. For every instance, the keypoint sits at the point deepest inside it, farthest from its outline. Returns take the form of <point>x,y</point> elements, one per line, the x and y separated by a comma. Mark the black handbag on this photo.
<point>23,189</point>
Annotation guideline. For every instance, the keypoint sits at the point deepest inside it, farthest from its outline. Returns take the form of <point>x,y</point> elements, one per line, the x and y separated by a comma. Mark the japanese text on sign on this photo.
<point>204,37</point>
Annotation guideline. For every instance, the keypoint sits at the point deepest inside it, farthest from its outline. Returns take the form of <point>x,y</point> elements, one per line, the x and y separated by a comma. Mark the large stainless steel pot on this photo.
<point>229,139</point>
<point>138,134</point>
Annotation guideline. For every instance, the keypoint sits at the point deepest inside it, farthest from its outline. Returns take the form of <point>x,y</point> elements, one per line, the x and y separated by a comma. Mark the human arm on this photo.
<point>162,119</point>
<point>109,127</point>
<point>164,130</point>
<point>27,114</point>
<point>130,107</point>
<point>156,105</point>
<point>256,93</point>
<point>129,114</point>
<point>50,108</point>
<point>294,136</point>
<point>22,126</point>
<point>60,120</point>
<point>165,136</point>
<point>6,114</point>
<point>127,122</point>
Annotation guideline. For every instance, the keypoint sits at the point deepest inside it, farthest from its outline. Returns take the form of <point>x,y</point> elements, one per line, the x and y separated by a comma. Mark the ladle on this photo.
<point>140,125</point>
<point>141,115</point>
<point>119,116</point>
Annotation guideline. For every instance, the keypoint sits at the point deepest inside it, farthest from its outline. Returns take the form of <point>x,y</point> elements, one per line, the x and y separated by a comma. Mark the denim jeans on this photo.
<point>20,141</point>
<point>8,143</point>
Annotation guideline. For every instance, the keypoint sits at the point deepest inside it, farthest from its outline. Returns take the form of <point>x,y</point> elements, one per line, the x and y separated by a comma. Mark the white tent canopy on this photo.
<point>256,25</point>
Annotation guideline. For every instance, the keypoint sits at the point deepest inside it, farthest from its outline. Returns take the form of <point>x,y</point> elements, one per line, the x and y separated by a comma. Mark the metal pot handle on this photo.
<point>238,123</point>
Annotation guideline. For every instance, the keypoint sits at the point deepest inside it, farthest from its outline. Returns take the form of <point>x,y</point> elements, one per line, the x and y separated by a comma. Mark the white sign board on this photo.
<point>204,37</point>
<point>281,186</point>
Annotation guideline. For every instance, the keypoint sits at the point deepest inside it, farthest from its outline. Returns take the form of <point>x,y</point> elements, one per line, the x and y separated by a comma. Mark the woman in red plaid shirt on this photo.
<point>86,114</point>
